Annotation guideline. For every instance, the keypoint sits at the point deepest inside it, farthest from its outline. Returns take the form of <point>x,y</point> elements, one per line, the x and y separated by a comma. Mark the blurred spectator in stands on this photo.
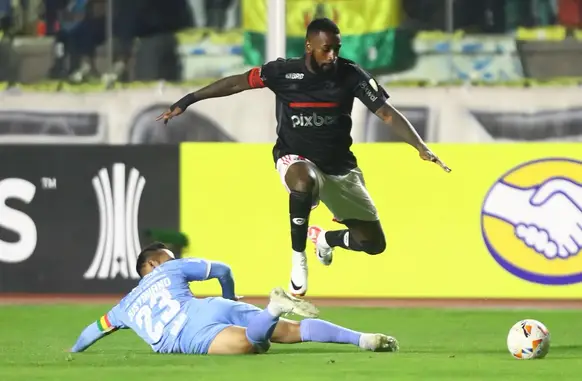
<point>197,8</point>
<point>529,14</point>
<point>156,25</point>
<point>82,30</point>
<point>545,12</point>
<point>5,18</point>
<point>518,14</point>
<point>423,15</point>
<point>154,22</point>
<point>8,58</point>
<point>52,10</point>
<point>483,16</point>
<point>216,13</point>
<point>570,14</point>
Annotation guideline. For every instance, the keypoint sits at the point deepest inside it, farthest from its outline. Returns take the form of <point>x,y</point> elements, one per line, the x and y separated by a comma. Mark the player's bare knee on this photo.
<point>303,186</point>
<point>301,178</point>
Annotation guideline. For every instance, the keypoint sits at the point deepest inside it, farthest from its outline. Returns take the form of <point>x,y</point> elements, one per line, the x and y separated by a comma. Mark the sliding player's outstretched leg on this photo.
<point>251,330</point>
<point>301,181</point>
<point>321,331</point>
<point>260,327</point>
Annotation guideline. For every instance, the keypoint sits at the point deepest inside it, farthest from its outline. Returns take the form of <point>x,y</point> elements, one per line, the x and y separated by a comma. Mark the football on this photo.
<point>528,339</point>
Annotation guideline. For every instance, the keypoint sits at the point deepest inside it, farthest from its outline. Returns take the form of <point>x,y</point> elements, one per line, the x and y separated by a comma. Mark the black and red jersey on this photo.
<point>314,110</point>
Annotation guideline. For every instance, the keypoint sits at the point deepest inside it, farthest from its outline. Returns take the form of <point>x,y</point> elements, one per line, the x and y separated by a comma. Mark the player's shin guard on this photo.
<point>299,210</point>
<point>322,331</point>
<point>343,239</point>
<point>338,238</point>
<point>261,328</point>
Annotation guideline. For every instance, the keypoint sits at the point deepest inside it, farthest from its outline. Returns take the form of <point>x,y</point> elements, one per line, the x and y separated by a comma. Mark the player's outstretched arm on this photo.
<point>93,333</point>
<point>222,88</point>
<point>196,269</point>
<point>375,98</point>
<point>402,126</point>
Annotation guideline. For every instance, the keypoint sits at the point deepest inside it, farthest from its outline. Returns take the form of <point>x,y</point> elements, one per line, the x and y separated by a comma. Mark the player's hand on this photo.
<point>166,116</point>
<point>426,154</point>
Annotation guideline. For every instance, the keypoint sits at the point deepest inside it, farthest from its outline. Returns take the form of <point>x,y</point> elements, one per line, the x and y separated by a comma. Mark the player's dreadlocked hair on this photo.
<point>146,253</point>
<point>322,25</point>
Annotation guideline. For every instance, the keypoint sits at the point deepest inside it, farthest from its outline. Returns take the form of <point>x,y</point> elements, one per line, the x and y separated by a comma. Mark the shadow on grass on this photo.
<point>300,351</point>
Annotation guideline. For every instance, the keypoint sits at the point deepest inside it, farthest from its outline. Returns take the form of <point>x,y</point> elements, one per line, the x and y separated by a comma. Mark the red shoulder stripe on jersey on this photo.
<point>313,105</point>
<point>255,80</point>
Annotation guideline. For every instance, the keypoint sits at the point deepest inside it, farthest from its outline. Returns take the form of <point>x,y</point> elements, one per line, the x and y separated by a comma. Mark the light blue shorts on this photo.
<point>208,317</point>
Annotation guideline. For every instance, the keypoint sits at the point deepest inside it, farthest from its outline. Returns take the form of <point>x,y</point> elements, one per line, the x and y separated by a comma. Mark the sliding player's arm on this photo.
<point>375,98</point>
<point>256,78</point>
<point>196,269</point>
<point>105,325</point>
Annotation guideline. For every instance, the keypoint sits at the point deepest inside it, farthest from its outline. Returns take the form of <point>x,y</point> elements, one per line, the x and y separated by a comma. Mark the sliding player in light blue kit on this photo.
<point>165,314</point>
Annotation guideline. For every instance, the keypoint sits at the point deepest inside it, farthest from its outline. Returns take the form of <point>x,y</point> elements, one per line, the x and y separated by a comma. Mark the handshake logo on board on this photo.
<point>532,221</point>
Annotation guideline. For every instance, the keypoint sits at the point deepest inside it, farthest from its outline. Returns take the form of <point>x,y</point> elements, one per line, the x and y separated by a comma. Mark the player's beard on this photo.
<point>326,69</point>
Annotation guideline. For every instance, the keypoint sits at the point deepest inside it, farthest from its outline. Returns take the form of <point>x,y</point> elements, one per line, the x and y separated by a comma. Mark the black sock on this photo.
<point>299,209</point>
<point>336,238</point>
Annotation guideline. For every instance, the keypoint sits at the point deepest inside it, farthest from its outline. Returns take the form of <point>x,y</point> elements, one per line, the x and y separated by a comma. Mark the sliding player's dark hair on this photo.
<point>322,25</point>
<point>146,254</point>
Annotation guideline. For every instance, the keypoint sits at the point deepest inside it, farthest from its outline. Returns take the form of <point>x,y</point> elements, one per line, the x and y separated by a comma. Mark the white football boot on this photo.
<point>323,251</point>
<point>298,282</point>
<point>378,342</point>
<point>281,303</point>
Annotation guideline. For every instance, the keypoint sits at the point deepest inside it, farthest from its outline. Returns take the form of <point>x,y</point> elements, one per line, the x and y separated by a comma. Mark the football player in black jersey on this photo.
<point>314,98</point>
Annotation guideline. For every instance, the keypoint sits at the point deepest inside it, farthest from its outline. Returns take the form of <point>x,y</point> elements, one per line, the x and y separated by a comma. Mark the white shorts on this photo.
<point>345,196</point>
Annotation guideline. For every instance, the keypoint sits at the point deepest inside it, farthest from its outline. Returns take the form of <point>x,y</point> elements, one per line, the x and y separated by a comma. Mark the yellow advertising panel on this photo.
<point>505,223</point>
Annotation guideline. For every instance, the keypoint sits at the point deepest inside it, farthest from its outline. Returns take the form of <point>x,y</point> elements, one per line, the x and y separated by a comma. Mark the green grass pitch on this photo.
<point>436,344</point>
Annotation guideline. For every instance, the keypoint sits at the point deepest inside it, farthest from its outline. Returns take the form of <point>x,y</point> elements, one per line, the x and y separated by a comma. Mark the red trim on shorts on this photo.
<point>313,104</point>
<point>290,159</point>
<point>255,80</point>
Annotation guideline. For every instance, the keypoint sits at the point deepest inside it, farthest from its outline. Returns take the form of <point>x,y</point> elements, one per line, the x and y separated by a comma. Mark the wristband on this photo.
<point>183,103</point>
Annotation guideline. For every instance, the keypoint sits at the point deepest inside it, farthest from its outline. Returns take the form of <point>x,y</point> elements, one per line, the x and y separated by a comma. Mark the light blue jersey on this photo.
<point>162,310</point>
<point>157,308</point>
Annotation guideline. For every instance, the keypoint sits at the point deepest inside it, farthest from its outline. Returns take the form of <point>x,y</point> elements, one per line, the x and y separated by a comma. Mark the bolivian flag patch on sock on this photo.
<point>104,324</point>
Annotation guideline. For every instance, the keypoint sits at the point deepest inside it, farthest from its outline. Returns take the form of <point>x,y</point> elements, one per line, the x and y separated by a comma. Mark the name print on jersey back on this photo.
<point>157,308</point>
<point>153,315</point>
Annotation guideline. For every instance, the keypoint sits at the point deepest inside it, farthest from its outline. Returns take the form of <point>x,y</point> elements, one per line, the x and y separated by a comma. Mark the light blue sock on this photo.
<point>322,331</point>
<point>261,328</point>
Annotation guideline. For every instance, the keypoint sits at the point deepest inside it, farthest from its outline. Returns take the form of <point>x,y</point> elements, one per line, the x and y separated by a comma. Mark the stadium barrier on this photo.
<point>454,115</point>
<point>72,217</point>
<point>464,234</point>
